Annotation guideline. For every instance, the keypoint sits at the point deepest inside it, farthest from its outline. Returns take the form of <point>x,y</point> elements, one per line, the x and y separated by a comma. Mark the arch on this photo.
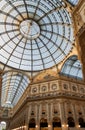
<point>2,125</point>
<point>72,68</point>
<point>81,122</point>
<point>43,122</point>
<point>32,123</point>
<point>71,122</point>
<point>56,122</point>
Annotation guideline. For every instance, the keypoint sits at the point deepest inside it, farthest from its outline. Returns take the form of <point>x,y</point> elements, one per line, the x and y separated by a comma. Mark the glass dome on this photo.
<point>72,68</point>
<point>34,34</point>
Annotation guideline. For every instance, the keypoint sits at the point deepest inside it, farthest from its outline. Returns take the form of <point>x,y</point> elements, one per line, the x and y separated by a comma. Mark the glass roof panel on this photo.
<point>72,68</point>
<point>34,34</point>
<point>73,2</point>
<point>13,86</point>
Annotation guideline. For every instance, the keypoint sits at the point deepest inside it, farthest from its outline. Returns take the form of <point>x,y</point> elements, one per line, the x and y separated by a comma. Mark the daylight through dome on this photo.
<point>29,29</point>
<point>38,34</point>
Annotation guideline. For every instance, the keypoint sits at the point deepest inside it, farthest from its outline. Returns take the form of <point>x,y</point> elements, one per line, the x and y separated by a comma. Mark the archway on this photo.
<point>56,123</point>
<point>32,124</point>
<point>71,122</point>
<point>81,122</point>
<point>43,124</point>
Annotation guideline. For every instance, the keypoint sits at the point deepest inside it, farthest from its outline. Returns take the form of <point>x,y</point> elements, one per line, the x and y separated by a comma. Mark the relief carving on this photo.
<point>79,20</point>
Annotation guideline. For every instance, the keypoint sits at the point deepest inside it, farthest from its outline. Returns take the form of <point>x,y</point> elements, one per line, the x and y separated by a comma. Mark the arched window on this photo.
<point>81,122</point>
<point>71,122</point>
<point>43,122</point>
<point>56,122</point>
<point>32,123</point>
<point>72,68</point>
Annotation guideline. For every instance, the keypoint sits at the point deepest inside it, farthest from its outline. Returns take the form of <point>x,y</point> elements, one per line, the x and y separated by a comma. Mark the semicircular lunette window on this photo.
<point>72,68</point>
<point>13,86</point>
<point>34,34</point>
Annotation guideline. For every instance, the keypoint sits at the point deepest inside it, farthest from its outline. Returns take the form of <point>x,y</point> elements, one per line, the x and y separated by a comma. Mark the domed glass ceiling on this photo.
<point>72,68</point>
<point>13,86</point>
<point>34,34</point>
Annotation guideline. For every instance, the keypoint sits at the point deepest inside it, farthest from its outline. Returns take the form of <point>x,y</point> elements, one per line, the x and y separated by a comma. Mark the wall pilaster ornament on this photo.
<point>37,113</point>
<point>67,108</point>
<point>74,113</point>
<point>40,111</point>
<point>79,20</point>
<point>82,110</point>
<point>62,113</point>
<point>29,112</point>
<point>51,114</point>
<point>48,112</point>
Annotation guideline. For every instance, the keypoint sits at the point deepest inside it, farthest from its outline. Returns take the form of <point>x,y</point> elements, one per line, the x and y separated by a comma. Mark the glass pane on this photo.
<point>13,86</point>
<point>72,67</point>
<point>37,33</point>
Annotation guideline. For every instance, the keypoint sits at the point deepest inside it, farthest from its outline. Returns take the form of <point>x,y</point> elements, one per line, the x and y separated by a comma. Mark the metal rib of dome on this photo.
<point>72,68</point>
<point>13,86</point>
<point>34,34</point>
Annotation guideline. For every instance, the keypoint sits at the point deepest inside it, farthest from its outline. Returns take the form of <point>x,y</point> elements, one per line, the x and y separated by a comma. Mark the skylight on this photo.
<point>34,34</point>
<point>13,86</point>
